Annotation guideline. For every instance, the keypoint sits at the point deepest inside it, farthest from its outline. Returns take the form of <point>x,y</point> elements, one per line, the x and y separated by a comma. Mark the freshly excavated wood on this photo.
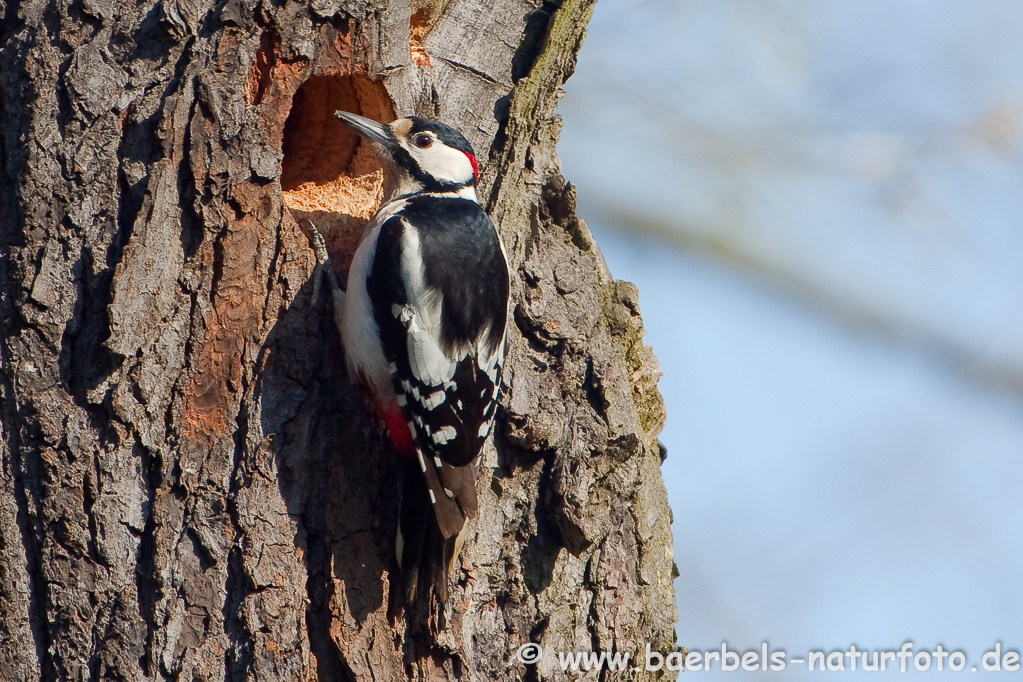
<point>191,488</point>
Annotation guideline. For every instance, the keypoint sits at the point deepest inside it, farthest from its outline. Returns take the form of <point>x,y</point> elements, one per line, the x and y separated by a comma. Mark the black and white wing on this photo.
<point>443,333</point>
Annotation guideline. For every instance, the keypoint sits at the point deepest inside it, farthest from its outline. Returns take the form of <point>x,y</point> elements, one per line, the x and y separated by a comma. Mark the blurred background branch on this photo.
<point>860,154</point>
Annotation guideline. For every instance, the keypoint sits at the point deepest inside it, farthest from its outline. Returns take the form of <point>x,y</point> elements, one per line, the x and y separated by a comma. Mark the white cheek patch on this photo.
<point>444,163</point>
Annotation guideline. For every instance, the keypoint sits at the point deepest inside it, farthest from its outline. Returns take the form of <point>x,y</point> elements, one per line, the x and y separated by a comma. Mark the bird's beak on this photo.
<point>378,133</point>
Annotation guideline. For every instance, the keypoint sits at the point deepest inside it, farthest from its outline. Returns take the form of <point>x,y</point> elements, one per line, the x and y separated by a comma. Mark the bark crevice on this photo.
<point>31,541</point>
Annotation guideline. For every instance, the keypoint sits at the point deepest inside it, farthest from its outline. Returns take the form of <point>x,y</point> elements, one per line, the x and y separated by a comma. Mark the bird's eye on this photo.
<point>422,141</point>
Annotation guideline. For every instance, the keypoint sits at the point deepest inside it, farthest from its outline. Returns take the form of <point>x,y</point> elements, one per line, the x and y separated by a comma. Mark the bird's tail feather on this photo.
<point>425,557</point>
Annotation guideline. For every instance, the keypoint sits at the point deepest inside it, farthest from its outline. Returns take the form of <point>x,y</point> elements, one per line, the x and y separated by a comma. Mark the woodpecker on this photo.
<point>423,321</point>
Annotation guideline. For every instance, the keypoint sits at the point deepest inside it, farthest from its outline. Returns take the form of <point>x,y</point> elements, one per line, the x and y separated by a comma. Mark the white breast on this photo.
<point>359,331</point>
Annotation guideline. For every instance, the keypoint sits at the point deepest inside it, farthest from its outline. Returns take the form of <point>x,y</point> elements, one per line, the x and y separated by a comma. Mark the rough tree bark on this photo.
<point>191,487</point>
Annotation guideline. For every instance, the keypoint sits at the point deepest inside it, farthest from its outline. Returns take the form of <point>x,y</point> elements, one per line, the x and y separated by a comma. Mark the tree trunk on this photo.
<point>192,487</point>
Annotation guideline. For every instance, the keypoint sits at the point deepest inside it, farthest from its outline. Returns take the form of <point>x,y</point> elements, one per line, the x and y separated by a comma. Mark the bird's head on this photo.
<point>419,155</point>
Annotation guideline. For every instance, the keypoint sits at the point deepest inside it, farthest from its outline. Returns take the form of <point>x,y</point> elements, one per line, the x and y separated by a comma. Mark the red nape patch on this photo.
<point>475,168</point>
<point>398,430</point>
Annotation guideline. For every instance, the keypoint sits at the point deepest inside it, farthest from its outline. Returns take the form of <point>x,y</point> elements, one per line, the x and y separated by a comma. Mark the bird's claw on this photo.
<point>323,268</point>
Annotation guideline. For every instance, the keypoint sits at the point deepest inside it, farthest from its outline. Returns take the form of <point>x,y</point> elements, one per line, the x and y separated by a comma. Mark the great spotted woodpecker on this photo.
<point>424,318</point>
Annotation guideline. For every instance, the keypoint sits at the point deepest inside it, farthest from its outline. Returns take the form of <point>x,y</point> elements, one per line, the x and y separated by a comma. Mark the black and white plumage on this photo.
<point>424,318</point>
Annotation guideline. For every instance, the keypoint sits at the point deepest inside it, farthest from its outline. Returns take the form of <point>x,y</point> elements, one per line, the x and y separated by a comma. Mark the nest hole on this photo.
<point>328,175</point>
